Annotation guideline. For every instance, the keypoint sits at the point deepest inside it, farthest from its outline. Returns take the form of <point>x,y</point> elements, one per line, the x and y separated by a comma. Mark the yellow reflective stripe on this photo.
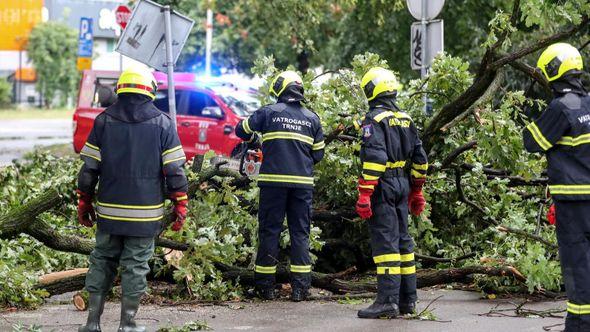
<point>285,178</point>
<point>265,269</point>
<point>407,257</point>
<point>408,270</point>
<point>417,174</point>
<point>397,164</point>
<point>318,145</point>
<point>569,189</point>
<point>171,150</point>
<point>92,146</point>
<point>182,198</point>
<point>386,258</point>
<point>578,309</point>
<point>367,186</point>
<point>370,177</point>
<point>538,136</point>
<point>301,268</point>
<point>87,155</point>
<point>382,116</point>
<point>388,270</point>
<point>574,141</point>
<point>421,167</point>
<point>133,207</point>
<point>173,160</point>
<point>287,135</point>
<point>246,126</point>
<point>104,216</point>
<point>402,115</point>
<point>374,167</point>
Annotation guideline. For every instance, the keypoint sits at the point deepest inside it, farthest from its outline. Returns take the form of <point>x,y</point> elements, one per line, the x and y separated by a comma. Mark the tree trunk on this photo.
<point>62,282</point>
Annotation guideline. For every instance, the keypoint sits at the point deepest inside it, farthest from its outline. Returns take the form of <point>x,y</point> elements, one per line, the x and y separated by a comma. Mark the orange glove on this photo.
<point>416,201</point>
<point>180,200</point>
<point>363,203</point>
<point>86,215</point>
<point>551,214</point>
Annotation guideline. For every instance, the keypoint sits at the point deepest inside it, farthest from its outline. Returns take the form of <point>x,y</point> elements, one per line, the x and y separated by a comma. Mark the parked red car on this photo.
<point>207,113</point>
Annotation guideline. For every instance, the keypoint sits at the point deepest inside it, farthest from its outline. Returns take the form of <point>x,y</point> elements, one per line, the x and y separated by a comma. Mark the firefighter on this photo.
<point>134,154</point>
<point>394,167</point>
<point>562,133</point>
<point>292,142</point>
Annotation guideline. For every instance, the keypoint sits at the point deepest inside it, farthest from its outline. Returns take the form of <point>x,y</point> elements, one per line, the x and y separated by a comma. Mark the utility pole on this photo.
<point>208,40</point>
<point>170,65</point>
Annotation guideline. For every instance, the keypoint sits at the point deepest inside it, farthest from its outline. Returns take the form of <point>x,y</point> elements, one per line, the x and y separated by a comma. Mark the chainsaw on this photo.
<point>247,165</point>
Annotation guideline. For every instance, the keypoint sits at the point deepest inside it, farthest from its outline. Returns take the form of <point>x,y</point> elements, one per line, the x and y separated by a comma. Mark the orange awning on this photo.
<point>25,75</point>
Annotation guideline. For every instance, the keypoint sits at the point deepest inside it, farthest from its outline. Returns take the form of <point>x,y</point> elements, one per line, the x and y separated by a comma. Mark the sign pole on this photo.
<point>208,41</point>
<point>170,65</point>
<point>424,69</point>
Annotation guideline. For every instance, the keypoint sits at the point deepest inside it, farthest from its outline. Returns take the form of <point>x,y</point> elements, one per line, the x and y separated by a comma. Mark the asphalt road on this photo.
<point>457,311</point>
<point>18,137</point>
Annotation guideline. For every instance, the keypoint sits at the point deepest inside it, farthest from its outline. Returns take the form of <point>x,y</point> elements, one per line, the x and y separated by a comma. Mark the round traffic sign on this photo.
<point>433,8</point>
<point>122,15</point>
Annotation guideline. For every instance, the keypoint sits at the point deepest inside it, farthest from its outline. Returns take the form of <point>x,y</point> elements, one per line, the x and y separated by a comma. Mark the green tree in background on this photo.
<point>5,92</point>
<point>52,48</point>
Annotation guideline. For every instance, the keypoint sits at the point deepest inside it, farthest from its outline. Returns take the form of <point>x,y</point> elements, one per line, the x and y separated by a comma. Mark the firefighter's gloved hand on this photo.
<point>180,201</point>
<point>416,201</point>
<point>254,143</point>
<point>551,214</point>
<point>363,203</point>
<point>86,215</point>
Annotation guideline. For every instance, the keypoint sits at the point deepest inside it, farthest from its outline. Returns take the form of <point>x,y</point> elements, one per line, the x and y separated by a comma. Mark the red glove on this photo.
<point>86,215</point>
<point>180,200</point>
<point>551,214</point>
<point>363,203</point>
<point>416,201</point>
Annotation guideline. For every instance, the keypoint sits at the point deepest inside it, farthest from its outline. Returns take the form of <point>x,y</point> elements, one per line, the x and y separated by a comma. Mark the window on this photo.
<point>104,92</point>
<point>189,103</point>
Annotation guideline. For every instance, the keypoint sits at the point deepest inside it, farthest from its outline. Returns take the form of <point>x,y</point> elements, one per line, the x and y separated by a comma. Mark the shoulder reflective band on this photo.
<point>287,135</point>
<point>265,269</point>
<point>407,257</point>
<point>138,213</point>
<point>569,189</point>
<point>402,115</point>
<point>374,167</point>
<point>382,116</point>
<point>246,126</point>
<point>91,151</point>
<point>578,309</point>
<point>388,270</point>
<point>397,164</point>
<point>408,270</point>
<point>301,268</point>
<point>172,155</point>
<point>285,178</point>
<point>574,141</point>
<point>538,136</point>
<point>386,258</point>
<point>318,146</point>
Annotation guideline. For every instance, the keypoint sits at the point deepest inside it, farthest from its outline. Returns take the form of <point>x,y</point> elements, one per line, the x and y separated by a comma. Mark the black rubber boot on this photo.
<point>266,294</point>
<point>382,308</point>
<point>407,308</point>
<point>129,306</point>
<point>299,294</point>
<point>95,308</point>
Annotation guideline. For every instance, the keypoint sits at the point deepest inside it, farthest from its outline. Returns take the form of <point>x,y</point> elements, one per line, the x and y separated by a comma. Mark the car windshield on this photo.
<point>241,102</point>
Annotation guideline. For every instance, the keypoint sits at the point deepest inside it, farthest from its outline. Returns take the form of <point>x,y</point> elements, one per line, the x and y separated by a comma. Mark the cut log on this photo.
<point>80,300</point>
<point>62,282</point>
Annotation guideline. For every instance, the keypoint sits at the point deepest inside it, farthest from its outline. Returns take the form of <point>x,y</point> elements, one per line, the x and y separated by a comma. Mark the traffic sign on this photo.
<point>144,41</point>
<point>433,8</point>
<point>434,43</point>
<point>122,15</point>
<point>85,43</point>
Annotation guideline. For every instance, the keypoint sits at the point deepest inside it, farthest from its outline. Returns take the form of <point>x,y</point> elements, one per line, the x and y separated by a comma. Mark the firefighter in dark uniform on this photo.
<point>135,156</point>
<point>562,133</point>
<point>390,150</point>
<point>292,142</point>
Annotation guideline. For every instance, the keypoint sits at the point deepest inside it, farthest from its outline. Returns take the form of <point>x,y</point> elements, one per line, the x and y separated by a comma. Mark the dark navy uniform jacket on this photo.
<point>390,142</point>
<point>562,132</point>
<point>292,142</point>
<point>134,154</point>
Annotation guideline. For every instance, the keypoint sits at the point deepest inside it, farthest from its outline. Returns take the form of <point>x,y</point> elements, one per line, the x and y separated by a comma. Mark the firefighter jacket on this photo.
<point>391,145</point>
<point>562,132</point>
<point>292,142</point>
<point>134,154</point>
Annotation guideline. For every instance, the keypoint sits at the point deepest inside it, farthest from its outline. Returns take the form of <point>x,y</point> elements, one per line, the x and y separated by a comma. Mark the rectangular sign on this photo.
<point>434,43</point>
<point>84,63</point>
<point>144,38</point>
<point>85,39</point>
<point>17,19</point>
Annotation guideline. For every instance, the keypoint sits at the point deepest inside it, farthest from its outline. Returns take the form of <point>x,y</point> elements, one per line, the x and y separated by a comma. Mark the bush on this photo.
<point>5,92</point>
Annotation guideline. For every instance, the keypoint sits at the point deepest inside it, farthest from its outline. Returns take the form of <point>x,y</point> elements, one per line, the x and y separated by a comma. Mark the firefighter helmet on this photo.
<point>559,59</point>
<point>378,81</point>
<point>137,80</point>
<point>283,80</point>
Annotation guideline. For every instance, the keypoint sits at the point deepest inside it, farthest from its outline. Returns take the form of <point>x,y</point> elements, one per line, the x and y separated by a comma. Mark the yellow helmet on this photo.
<point>283,80</point>
<point>137,80</point>
<point>559,59</point>
<point>378,81</point>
